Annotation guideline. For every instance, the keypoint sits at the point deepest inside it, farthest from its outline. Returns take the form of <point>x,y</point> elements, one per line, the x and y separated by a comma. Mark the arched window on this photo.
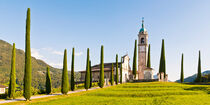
<point>142,40</point>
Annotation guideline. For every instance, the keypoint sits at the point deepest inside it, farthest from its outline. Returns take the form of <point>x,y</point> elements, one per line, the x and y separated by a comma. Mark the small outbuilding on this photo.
<point>2,89</point>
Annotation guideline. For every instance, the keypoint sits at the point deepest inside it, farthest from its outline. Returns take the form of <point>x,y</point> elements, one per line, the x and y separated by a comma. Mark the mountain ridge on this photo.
<point>38,68</point>
<point>193,77</point>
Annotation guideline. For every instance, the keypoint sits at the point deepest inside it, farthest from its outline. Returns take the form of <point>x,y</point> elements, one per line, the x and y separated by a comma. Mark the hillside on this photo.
<point>150,93</point>
<point>38,68</point>
<point>192,78</point>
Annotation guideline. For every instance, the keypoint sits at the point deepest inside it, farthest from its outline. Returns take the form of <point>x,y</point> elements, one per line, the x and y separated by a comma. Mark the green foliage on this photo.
<point>91,77</point>
<point>162,67</point>
<point>27,75</point>
<point>117,75</point>
<point>101,79</point>
<point>182,69</point>
<point>148,58</point>
<point>112,75</point>
<point>135,60</point>
<point>65,80</point>
<point>48,82</point>
<point>121,71</point>
<point>12,83</point>
<point>199,79</point>
<point>72,72</point>
<point>87,74</point>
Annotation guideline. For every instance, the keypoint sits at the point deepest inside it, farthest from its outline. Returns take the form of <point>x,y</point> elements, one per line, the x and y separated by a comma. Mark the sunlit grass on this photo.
<point>152,93</point>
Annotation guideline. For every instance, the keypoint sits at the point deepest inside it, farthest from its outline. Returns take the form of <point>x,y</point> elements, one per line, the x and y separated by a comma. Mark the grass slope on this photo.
<point>152,93</point>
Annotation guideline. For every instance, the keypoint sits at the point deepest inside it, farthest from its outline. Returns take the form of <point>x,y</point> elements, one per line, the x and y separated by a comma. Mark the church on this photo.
<point>144,72</point>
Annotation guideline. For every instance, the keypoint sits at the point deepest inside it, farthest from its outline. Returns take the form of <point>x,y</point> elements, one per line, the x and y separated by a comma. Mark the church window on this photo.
<point>142,40</point>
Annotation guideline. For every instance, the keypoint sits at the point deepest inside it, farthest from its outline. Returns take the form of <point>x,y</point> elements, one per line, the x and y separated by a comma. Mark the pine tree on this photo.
<point>112,75</point>
<point>199,79</point>
<point>12,83</point>
<point>91,77</point>
<point>117,75</point>
<point>101,79</point>
<point>87,74</point>
<point>121,72</point>
<point>148,58</point>
<point>135,60</point>
<point>162,67</point>
<point>72,72</point>
<point>28,69</point>
<point>48,82</point>
<point>182,69</point>
<point>65,80</point>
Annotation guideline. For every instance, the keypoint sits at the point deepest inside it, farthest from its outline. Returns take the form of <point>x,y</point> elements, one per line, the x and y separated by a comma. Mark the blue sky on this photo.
<point>56,25</point>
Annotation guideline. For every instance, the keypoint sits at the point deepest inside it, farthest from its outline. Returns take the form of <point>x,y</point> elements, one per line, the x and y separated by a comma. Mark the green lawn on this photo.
<point>151,93</point>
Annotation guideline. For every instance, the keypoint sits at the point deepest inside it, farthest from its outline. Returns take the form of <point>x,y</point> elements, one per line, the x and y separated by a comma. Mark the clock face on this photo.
<point>142,48</point>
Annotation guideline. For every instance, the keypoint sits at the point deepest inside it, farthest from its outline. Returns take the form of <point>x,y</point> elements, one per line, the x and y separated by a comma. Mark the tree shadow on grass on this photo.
<point>205,89</point>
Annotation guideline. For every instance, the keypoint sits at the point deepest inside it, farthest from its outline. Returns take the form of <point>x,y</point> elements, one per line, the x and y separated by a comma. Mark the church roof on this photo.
<point>2,86</point>
<point>148,68</point>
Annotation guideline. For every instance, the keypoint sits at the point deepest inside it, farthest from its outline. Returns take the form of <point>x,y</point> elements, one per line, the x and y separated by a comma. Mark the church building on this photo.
<point>143,72</point>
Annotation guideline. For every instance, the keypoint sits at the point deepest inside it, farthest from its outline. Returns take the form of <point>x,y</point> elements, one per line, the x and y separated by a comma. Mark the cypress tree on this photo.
<point>117,76</point>
<point>48,82</point>
<point>182,69</point>
<point>87,74</point>
<point>91,77</point>
<point>101,79</point>
<point>198,79</point>
<point>162,67</point>
<point>135,60</point>
<point>112,75</point>
<point>28,69</point>
<point>148,58</point>
<point>65,80</point>
<point>12,83</point>
<point>72,72</point>
<point>121,72</point>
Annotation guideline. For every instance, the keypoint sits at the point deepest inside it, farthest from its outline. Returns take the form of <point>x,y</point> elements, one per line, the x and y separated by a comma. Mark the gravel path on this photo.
<point>42,96</point>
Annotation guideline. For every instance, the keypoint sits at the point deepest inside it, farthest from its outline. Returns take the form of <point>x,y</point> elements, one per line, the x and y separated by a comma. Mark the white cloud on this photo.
<point>35,53</point>
<point>57,52</point>
<point>56,65</point>
<point>79,54</point>
<point>52,51</point>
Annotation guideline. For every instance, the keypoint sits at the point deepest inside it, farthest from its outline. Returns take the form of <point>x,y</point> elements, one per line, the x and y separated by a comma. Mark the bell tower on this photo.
<point>142,50</point>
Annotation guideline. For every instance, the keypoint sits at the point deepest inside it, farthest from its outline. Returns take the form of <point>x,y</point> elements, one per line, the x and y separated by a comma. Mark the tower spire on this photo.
<point>142,22</point>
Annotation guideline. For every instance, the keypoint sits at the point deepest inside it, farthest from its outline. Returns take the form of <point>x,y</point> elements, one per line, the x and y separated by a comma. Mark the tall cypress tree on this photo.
<point>87,74</point>
<point>101,79</point>
<point>72,72</point>
<point>198,79</point>
<point>12,83</point>
<point>112,75</point>
<point>162,67</point>
<point>148,58</point>
<point>182,69</point>
<point>65,80</point>
<point>91,77</point>
<point>121,72</point>
<point>117,76</point>
<point>48,82</point>
<point>135,60</point>
<point>28,69</point>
